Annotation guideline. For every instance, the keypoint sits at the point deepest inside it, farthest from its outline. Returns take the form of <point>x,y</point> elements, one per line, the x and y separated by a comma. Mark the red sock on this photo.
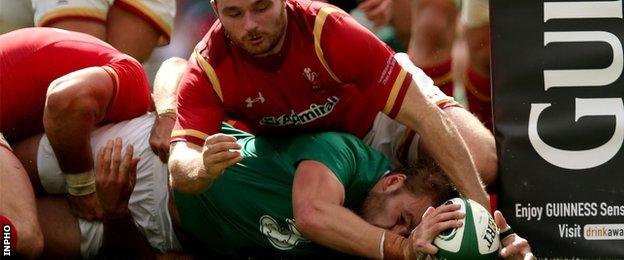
<point>9,236</point>
<point>478,94</point>
<point>442,76</point>
<point>493,201</point>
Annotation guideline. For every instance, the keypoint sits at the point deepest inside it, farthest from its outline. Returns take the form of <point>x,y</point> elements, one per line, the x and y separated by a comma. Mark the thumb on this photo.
<point>500,220</point>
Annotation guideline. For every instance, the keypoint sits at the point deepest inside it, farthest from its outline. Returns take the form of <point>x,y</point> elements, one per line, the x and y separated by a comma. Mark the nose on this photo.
<point>249,23</point>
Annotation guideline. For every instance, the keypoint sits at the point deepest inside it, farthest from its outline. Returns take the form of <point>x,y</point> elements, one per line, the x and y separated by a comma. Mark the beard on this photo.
<point>372,205</point>
<point>270,39</point>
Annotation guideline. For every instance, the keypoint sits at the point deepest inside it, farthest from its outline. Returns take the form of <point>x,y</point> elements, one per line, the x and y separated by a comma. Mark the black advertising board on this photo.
<point>559,117</point>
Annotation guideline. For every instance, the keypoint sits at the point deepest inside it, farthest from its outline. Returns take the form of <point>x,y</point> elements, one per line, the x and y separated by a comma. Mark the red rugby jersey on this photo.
<point>31,58</point>
<point>332,74</point>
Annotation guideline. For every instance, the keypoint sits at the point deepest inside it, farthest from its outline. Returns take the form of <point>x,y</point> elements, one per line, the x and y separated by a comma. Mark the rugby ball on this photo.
<point>478,238</point>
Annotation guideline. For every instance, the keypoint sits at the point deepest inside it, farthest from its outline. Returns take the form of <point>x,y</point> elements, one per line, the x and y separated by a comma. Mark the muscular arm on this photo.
<point>165,99</point>
<point>443,142</point>
<point>480,142</point>
<point>193,168</point>
<point>75,103</point>
<point>188,174</point>
<point>320,216</point>
<point>166,84</point>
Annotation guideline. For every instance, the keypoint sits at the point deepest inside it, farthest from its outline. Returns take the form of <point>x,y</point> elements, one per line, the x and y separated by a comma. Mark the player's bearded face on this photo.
<point>257,27</point>
<point>398,212</point>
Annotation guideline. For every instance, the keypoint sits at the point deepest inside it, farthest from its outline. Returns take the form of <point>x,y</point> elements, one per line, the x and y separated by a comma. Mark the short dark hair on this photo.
<point>428,179</point>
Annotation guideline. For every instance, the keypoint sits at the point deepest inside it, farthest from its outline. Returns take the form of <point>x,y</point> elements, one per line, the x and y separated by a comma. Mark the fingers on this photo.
<point>125,165</point>
<point>217,151</point>
<point>108,149</point>
<point>519,246</point>
<point>221,157</point>
<point>369,4</point>
<point>500,220</point>
<point>216,138</point>
<point>377,11</point>
<point>114,166</point>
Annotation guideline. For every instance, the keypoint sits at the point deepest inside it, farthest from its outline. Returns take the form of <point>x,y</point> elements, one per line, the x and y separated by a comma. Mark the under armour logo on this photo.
<point>250,101</point>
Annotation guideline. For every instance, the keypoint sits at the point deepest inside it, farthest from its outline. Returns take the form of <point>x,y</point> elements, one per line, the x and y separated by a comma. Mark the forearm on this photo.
<point>443,142</point>
<point>188,174</point>
<point>69,135</point>
<point>340,229</point>
<point>122,238</point>
<point>480,142</point>
<point>166,84</point>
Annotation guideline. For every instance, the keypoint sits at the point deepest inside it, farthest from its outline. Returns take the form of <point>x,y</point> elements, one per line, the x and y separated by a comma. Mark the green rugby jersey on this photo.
<point>248,211</point>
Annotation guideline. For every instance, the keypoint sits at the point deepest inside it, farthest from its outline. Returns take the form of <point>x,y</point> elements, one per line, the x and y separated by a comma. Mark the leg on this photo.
<point>401,21</point>
<point>94,28</point>
<point>433,32</point>
<point>60,228</point>
<point>81,16</point>
<point>130,33</point>
<point>17,203</point>
<point>26,151</point>
<point>475,15</point>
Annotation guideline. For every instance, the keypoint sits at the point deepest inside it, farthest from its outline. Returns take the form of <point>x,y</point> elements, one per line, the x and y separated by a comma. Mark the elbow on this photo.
<point>70,105</point>
<point>308,218</point>
<point>174,61</point>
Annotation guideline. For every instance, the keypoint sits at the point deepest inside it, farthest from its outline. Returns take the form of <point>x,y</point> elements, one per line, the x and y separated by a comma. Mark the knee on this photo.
<point>478,40</point>
<point>434,21</point>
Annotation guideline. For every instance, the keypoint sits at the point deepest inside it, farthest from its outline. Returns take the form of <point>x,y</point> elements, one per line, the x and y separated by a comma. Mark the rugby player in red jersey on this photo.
<point>291,66</point>
<point>65,83</point>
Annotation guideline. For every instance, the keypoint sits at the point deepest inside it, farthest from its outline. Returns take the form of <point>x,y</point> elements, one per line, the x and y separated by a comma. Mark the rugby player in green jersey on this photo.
<point>296,196</point>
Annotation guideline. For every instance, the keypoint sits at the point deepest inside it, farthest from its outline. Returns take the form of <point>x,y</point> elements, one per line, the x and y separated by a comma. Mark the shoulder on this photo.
<point>311,13</point>
<point>215,46</point>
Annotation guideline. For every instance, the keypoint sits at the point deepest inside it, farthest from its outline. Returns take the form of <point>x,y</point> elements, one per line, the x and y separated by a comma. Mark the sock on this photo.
<point>442,76</point>
<point>478,93</point>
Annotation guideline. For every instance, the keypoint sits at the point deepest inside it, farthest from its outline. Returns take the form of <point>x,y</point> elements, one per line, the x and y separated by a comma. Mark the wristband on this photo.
<point>165,111</point>
<point>381,245</point>
<point>80,184</point>
<point>506,233</point>
<point>394,247</point>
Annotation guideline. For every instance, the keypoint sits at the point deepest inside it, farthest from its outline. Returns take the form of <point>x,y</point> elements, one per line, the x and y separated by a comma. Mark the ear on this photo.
<point>392,182</point>
<point>213,3</point>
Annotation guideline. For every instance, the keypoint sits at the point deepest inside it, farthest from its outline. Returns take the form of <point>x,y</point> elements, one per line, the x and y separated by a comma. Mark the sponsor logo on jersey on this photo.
<point>314,112</point>
<point>280,237</point>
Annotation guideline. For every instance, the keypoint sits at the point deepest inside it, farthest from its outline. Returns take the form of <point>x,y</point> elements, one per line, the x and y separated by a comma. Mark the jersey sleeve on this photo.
<point>200,111</point>
<point>131,95</point>
<point>344,43</point>
<point>356,165</point>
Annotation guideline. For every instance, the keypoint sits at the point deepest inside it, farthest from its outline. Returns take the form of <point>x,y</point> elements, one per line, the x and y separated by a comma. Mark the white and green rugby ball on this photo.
<point>478,238</point>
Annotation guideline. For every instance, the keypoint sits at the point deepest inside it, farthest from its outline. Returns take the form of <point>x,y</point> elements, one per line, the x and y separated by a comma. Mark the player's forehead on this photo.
<point>223,4</point>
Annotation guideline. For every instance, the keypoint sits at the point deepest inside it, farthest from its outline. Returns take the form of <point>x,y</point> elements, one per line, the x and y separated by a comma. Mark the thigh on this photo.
<point>61,232</point>
<point>17,200</point>
<point>136,27</point>
<point>87,16</point>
